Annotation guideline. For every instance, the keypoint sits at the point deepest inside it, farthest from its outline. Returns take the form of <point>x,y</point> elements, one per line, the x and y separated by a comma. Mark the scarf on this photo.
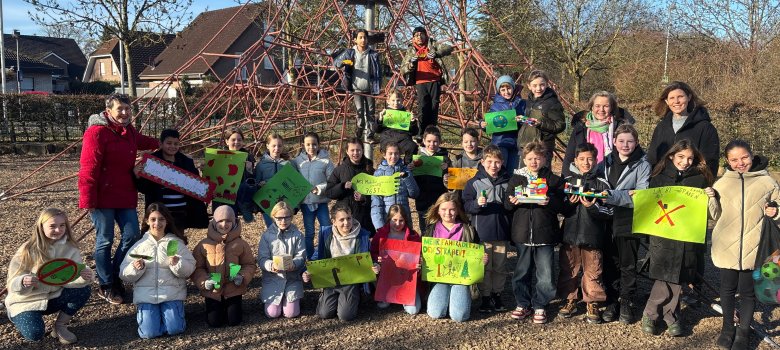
<point>344,245</point>
<point>596,125</point>
<point>599,133</point>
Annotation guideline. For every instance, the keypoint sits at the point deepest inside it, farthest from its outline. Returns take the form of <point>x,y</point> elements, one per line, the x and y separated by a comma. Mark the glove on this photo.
<point>209,284</point>
<point>238,280</point>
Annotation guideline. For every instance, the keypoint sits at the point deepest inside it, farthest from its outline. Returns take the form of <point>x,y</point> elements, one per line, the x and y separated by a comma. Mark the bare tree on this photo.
<point>124,19</point>
<point>586,31</point>
<point>86,42</point>
<point>751,24</point>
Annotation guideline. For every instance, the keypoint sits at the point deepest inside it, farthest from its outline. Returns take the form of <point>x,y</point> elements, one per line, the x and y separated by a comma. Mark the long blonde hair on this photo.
<point>433,217</point>
<point>34,252</point>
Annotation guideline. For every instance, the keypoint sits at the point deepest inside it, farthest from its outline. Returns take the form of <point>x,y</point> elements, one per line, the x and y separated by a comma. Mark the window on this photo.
<point>102,69</point>
<point>244,74</point>
<point>114,69</point>
<point>28,83</point>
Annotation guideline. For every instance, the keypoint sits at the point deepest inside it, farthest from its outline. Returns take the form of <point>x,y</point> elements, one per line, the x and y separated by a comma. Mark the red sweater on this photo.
<point>108,153</point>
<point>382,233</point>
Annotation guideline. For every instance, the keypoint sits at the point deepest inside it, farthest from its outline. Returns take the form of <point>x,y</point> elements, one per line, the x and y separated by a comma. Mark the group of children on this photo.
<point>489,210</point>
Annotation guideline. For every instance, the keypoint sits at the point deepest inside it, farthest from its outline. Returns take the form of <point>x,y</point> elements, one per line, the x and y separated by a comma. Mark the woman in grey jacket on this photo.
<point>626,170</point>
<point>315,165</point>
<point>282,286</point>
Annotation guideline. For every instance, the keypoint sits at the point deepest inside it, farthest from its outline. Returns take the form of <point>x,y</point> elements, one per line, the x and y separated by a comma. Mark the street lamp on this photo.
<point>16,36</point>
<point>668,34</point>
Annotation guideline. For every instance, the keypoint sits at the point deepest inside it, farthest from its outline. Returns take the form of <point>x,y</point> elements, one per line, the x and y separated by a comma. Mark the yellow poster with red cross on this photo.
<point>673,212</point>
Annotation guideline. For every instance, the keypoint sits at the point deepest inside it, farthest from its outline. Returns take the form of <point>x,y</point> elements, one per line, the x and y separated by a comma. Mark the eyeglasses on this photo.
<point>282,218</point>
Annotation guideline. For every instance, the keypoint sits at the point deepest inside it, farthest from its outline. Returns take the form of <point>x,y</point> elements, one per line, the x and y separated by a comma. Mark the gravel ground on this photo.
<point>102,325</point>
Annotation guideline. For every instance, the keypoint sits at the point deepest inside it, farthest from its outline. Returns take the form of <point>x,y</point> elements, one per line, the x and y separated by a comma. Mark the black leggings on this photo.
<point>732,281</point>
<point>226,311</point>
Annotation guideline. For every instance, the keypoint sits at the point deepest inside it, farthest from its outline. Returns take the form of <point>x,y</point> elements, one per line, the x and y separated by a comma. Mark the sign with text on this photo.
<point>341,271</point>
<point>453,262</point>
<point>673,212</point>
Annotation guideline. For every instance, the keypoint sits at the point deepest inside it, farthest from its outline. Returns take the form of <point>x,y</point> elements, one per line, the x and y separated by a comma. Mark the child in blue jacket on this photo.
<point>506,99</point>
<point>407,188</point>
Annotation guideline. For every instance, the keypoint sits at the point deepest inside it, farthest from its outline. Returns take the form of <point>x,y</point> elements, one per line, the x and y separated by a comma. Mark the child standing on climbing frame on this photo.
<point>363,78</point>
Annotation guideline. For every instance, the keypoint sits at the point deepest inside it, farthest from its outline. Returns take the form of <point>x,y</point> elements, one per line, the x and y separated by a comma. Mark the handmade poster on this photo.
<point>369,185</point>
<point>58,272</point>
<point>287,185</point>
<point>500,121</point>
<point>458,177</point>
<point>395,119</point>
<point>578,188</point>
<point>452,262</point>
<point>172,248</point>
<point>427,165</point>
<point>341,271</point>
<point>535,192</point>
<point>234,270</point>
<point>161,172</point>
<point>673,212</point>
<point>397,282</point>
<point>225,168</point>
<point>217,278</point>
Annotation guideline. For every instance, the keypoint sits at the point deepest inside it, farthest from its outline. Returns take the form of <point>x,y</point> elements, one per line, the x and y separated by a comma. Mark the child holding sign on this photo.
<point>234,139</point>
<point>674,263</point>
<point>545,111</point>
<point>315,165</point>
<point>340,185</point>
<point>535,233</point>
<point>740,211</point>
<point>397,227</point>
<point>403,138</point>
<point>483,198</point>
<point>272,161</point>
<point>282,285</point>
<point>466,160</point>
<point>584,236</point>
<point>507,99</point>
<point>158,266</point>
<point>446,219</point>
<point>431,186</point>
<point>345,237</point>
<point>32,295</point>
<point>407,187</point>
<point>215,274</point>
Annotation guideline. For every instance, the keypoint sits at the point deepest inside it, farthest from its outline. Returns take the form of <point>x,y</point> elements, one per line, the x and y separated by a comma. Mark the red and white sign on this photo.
<point>171,176</point>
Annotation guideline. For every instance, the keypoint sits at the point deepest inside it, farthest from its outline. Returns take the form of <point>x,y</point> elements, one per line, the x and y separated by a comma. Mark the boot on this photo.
<point>742,340</point>
<point>611,312</point>
<point>61,331</point>
<point>626,311</point>
<point>726,337</point>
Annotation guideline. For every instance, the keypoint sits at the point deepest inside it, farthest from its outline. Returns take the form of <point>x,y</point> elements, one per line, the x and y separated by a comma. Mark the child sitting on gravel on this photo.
<point>28,298</point>
<point>282,285</point>
<point>158,266</point>
<point>215,259</point>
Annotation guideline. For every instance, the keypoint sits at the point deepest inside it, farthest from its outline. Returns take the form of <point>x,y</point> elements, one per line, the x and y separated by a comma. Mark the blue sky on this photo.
<point>15,14</point>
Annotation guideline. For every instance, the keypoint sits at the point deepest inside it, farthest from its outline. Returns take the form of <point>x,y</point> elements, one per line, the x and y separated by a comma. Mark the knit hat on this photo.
<point>419,30</point>
<point>224,212</point>
<point>505,79</point>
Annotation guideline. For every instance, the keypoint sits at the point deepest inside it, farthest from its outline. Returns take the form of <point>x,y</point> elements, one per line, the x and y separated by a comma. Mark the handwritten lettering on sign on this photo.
<point>673,212</point>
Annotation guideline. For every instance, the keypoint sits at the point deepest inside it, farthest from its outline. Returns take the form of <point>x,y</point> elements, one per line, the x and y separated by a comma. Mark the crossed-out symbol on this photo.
<point>666,213</point>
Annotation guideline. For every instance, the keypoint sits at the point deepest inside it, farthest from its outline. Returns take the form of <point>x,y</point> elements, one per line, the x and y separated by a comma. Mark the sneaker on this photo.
<point>611,312</point>
<point>108,293</point>
<point>569,309</point>
<point>486,306</point>
<point>648,325</point>
<point>626,311</point>
<point>540,316</point>
<point>674,329</point>
<point>593,315</point>
<point>498,305</point>
<point>520,313</point>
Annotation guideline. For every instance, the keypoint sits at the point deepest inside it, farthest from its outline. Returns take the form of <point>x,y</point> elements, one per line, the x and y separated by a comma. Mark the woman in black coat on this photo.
<point>674,263</point>
<point>683,117</point>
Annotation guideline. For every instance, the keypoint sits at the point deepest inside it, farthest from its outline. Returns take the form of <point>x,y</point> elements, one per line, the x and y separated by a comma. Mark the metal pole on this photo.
<point>18,64</point>
<point>2,65</point>
<point>121,53</point>
<point>369,19</point>
<point>668,35</point>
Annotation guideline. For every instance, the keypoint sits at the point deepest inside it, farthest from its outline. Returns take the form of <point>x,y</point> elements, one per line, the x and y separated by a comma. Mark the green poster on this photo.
<point>217,278</point>
<point>395,119</point>
<point>224,168</point>
<point>60,271</point>
<point>368,185</point>
<point>427,165</point>
<point>287,185</point>
<point>673,212</point>
<point>173,247</point>
<point>234,270</point>
<point>341,271</point>
<point>501,121</point>
<point>452,262</point>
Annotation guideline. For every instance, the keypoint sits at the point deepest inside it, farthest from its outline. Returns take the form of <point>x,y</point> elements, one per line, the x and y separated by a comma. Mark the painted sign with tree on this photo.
<point>453,262</point>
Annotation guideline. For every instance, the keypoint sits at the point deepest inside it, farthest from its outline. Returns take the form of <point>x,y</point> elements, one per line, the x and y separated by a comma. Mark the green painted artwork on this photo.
<point>287,185</point>
<point>224,168</point>
<point>500,121</point>
<point>395,119</point>
<point>673,212</point>
<point>369,185</point>
<point>427,165</point>
<point>341,271</point>
<point>453,262</point>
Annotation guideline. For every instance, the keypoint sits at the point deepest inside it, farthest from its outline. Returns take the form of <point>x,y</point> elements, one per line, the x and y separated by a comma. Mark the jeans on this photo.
<point>322,216</point>
<point>30,323</point>
<point>127,219</point>
<point>511,158</point>
<point>455,297</point>
<point>155,320</point>
<point>428,104</point>
<point>244,204</point>
<point>366,121</point>
<point>537,260</point>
